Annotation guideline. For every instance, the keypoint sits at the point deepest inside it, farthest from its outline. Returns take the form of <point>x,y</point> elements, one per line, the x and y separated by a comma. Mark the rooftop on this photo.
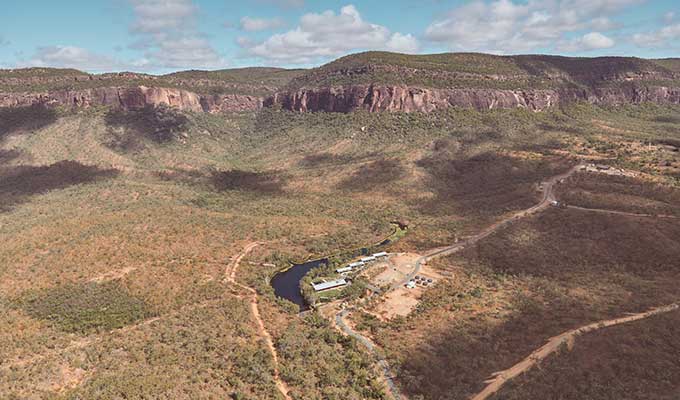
<point>329,285</point>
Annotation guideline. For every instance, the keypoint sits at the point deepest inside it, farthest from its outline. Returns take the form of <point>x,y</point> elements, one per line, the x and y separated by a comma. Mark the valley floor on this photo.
<point>129,266</point>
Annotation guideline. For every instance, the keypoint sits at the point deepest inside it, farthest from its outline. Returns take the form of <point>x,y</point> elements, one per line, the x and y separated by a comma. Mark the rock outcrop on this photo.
<point>136,97</point>
<point>376,98</point>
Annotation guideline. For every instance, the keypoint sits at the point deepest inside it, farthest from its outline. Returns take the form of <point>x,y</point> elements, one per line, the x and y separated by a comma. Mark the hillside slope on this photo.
<point>373,81</point>
<point>199,91</point>
<point>379,81</point>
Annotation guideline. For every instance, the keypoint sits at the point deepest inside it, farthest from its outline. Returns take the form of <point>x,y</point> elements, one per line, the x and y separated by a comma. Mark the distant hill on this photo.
<point>464,70</point>
<point>252,81</point>
<point>373,81</point>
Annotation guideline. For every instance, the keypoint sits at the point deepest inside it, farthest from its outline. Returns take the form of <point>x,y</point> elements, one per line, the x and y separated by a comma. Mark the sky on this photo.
<point>159,36</point>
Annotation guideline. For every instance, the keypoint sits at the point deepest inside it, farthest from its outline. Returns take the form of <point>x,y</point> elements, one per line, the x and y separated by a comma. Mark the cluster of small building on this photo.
<point>606,169</point>
<point>419,280</point>
<point>355,266</point>
<point>361,263</point>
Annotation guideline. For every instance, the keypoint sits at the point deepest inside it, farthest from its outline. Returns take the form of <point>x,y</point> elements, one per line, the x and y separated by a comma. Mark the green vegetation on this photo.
<point>85,308</point>
<point>474,70</point>
<point>631,361</point>
<point>158,222</point>
<point>25,119</point>
<point>160,124</point>
<point>341,370</point>
<point>247,81</point>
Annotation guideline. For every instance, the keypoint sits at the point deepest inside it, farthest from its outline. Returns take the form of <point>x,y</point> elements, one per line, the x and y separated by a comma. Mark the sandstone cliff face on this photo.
<point>128,98</point>
<point>413,99</point>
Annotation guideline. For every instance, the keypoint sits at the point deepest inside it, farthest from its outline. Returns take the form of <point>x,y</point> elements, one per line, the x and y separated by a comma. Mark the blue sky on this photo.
<point>158,36</point>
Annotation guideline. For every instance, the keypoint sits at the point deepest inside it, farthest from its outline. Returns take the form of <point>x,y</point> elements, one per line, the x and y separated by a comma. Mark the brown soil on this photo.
<point>230,275</point>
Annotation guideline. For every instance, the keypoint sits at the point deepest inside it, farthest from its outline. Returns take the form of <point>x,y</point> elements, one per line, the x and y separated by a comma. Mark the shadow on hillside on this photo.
<point>456,359</point>
<point>484,185</point>
<point>180,175</point>
<point>18,184</point>
<point>325,159</point>
<point>591,71</point>
<point>160,124</point>
<point>267,183</point>
<point>375,174</point>
<point>668,119</point>
<point>590,268</point>
<point>611,364</point>
<point>580,242</point>
<point>620,193</point>
<point>20,119</point>
<point>8,155</point>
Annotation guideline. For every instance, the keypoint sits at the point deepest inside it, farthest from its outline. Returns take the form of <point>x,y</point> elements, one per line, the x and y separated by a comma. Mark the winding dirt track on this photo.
<point>554,344</point>
<point>547,197</point>
<point>624,213</point>
<point>230,276</point>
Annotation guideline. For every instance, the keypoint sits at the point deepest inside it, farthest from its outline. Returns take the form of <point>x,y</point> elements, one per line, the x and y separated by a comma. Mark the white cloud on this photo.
<point>589,41</point>
<point>167,32</point>
<point>325,35</point>
<point>509,26</point>
<point>71,57</point>
<point>668,37</point>
<point>158,16</point>
<point>284,3</point>
<point>250,24</point>
<point>403,43</point>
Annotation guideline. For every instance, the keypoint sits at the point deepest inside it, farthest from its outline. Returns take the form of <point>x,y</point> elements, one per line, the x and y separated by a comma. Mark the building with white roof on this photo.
<point>329,285</point>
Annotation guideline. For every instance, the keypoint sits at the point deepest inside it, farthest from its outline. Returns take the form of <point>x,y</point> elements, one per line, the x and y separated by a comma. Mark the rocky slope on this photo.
<point>376,98</point>
<point>231,90</point>
<point>398,83</point>
<point>373,81</point>
<point>134,97</point>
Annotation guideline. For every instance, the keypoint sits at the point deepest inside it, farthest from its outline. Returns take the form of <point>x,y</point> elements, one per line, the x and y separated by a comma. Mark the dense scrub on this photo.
<point>8,155</point>
<point>633,361</point>
<point>17,183</point>
<point>620,193</point>
<point>560,242</point>
<point>515,289</point>
<point>376,175</point>
<point>271,182</point>
<point>161,124</point>
<point>340,368</point>
<point>25,119</point>
<point>85,308</point>
<point>486,184</point>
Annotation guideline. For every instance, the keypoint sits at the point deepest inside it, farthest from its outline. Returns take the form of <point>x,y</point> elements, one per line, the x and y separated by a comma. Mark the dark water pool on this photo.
<point>286,284</point>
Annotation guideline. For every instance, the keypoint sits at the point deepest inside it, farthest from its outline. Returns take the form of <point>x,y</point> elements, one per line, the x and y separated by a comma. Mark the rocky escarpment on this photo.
<point>377,98</point>
<point>408,99</point>
<point>380,81</point>
<point>133,98</point>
